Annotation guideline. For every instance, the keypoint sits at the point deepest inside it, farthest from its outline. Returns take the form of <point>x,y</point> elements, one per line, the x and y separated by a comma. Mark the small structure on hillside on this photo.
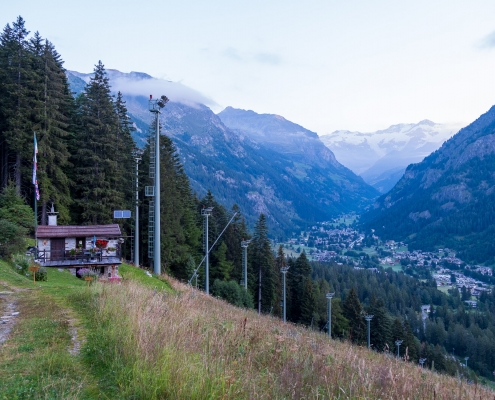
<point>96,247</point>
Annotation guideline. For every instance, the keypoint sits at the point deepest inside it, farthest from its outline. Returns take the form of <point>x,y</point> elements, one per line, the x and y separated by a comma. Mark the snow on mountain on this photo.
<point>377,156</point>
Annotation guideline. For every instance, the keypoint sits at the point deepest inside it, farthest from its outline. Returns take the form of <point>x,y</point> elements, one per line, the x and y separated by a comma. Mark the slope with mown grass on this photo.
<point>146,341</point>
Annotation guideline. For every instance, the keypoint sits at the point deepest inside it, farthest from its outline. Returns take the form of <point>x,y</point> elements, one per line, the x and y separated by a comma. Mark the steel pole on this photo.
<point>136,230</point>
<point>207,261</point>
<point>244,249</point>
<point>156,247</point>
<point>369,321</point>
<point>284,297</point>
<point>330,319</point>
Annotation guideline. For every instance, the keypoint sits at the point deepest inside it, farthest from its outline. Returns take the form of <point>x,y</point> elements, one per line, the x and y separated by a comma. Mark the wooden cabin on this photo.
<point>96,247</point>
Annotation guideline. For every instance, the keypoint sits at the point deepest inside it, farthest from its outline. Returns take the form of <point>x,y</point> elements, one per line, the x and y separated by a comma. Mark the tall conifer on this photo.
<point>98,186</point>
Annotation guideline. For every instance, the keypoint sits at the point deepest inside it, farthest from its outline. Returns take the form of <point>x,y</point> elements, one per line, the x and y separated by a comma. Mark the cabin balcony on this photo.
<point>69,259</point>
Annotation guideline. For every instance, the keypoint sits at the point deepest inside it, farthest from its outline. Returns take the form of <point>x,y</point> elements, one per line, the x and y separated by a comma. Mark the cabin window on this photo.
<point>81,243</point>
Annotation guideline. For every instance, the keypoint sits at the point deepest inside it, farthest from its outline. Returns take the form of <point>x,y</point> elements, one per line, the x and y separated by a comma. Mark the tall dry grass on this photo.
<point>192,346</point>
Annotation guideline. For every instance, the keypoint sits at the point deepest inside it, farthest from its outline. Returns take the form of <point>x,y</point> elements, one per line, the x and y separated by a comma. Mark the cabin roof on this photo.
<point>58,231</point>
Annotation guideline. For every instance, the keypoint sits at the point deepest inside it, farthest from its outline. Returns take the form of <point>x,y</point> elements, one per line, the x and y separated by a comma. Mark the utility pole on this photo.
<point>329,310</point>
<point>244,245</point>
<point>284,270</point>
<point>206,212</point>
<point>136,229</point>
<point>154,107</point>
<point>398,343</point>
<point>368,319</point>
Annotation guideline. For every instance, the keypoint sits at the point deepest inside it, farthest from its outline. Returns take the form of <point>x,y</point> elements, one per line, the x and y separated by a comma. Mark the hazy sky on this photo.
<point>327,65</point>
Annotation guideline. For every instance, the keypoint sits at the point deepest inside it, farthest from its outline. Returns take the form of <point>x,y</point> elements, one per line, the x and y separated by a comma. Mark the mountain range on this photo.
<point>381,157</point>
<point>264,163</point>
<point>448,199</point>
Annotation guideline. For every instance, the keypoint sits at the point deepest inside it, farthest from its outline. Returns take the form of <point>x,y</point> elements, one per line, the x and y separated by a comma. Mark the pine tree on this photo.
<point>398,334</point>
<point>380,333</point>
<point>308,303</point>
<point>222,268</point>
<point>16,106</point>
<point>235,233</point>
<point>262,261</point>
<point>353,313</point>
<point>98,188</point>
<point>52,125</point>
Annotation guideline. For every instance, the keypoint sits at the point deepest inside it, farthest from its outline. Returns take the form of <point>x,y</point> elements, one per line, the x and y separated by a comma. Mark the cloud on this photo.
<point>131,85</point>
<point>488,41</point>
<point>262,58</point>
<point>268,58</point>
<point>232,53</point>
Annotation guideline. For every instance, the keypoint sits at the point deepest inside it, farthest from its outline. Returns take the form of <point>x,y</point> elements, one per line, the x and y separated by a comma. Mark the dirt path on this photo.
<point>8,315</point>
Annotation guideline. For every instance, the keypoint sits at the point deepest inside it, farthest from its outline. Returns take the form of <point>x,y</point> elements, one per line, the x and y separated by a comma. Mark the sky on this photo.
<point>356,65</point>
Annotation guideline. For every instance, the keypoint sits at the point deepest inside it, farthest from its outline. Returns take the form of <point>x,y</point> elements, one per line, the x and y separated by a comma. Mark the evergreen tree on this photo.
<point>235,233</point>
<point>52,123</point>
<point>16,221</point>
<point>380,333</point>
<point>222,268</point>
<point>97,186</point>
<point>353,312</point>
<point>411,344</point>
<point>398,334</point>
<point>262,261</point>
<point>308,303</point>
<point>16,106</point>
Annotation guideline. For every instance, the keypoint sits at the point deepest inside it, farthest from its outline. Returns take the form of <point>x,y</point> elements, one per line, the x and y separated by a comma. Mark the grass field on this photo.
<point>146,339</point>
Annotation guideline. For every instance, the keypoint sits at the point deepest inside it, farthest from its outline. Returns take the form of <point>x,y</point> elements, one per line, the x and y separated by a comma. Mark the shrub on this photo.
<point>232,292</point>
<point>21,263</point>
<point>41,274</point>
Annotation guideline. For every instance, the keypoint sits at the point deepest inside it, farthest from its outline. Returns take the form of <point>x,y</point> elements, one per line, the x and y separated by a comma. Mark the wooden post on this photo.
<point>34,269</point>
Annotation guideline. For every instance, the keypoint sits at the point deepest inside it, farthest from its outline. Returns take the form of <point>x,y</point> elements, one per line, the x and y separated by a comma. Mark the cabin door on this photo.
<point>57,246</point>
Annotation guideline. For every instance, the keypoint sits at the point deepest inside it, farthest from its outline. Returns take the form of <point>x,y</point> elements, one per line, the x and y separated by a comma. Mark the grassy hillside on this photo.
<point>144,340</point>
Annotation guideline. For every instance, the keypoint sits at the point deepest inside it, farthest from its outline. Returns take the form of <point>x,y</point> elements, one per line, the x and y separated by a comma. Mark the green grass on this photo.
<point>11,277</point>
<point>139,275</point>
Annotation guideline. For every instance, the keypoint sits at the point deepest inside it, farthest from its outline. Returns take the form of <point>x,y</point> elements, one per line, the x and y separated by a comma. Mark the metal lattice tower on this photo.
<point>150,192</point>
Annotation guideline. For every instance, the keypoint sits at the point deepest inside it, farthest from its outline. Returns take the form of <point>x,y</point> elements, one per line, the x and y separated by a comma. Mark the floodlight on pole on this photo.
<point>206,212</point>
<point>422,361</point>
<point>284,270</point>
<point>244,245</point>
<point>368,319</point>
<point>154,107</point>
<point>329,297</point>
<point>398,343</point>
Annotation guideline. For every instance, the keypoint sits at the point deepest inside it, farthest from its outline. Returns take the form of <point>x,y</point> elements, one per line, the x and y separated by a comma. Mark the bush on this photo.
<point>42,275</point>
<point>233,293</point>
<point>21,263</point>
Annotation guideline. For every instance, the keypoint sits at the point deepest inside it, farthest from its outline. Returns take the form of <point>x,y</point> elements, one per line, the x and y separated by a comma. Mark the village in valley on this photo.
<point>338,241</point>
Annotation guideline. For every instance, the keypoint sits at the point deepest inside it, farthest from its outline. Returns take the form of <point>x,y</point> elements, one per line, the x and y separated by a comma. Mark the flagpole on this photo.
<point>36,190</point>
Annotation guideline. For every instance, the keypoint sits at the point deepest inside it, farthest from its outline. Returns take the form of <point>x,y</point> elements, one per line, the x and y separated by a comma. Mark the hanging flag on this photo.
<point>35,168</point>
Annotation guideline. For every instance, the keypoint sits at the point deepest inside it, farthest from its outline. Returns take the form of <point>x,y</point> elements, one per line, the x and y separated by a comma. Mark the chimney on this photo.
<point>52,217</point>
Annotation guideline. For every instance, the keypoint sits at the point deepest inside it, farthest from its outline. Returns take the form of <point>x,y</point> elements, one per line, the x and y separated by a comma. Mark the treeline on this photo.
<point>395,300</point>
<point>85,146</point>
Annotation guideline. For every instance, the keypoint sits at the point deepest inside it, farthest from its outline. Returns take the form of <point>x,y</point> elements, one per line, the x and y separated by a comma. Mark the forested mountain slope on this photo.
<point>448,200</point>
<point>290,190</point>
